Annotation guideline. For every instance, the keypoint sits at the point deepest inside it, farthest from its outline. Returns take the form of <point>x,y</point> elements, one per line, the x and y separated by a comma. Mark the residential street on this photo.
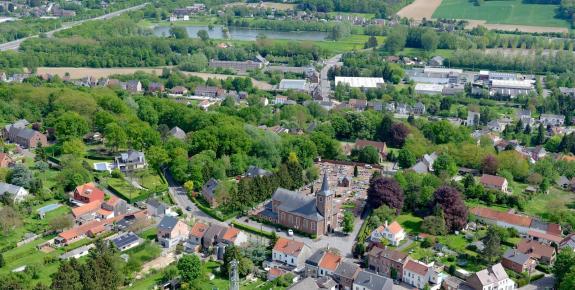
<point>324,81</point>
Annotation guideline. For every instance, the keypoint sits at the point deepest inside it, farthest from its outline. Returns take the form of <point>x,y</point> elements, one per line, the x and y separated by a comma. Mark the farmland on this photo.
<point>502,12</point>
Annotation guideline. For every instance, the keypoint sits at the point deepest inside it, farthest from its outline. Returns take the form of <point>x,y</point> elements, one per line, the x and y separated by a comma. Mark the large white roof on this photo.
<point>359,82</point>
<point>442,70</point>
<point>514,84</point>
<point>429,88</point>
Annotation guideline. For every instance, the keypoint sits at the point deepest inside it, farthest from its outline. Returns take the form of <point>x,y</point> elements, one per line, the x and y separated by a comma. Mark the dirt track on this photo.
<point>78,73</point>
<point>420,9</point>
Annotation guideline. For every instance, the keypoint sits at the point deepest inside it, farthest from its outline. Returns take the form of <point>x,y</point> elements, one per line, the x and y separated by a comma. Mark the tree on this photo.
<point>20,175</point>
<point>2,262</point>
<point>384,128</point>
<point>371,42</point>
<point>429,40</point>
<point>355,171</point>
<point>385,190</point>
<point>395,41</point>
<point>178,32</point>
<point>61,222</point>
<point>348,222</point>
<point>434,225</point>
<point>203,35</point>
<point>116,136</point>
<point>245,265</point>
<point>468,181</point>
<point>157,157</point>
<point>398,135</point>
<point>74,146</point>
<point>568,282</point>
<point>489,165</point>
<point>563,265</point>
<point>189,187</point>
<point>444,164</point>
<point>492,243</point>
<point>454,210</point>
<point>367,154</point>
<point>406,159</point>
<point>67,276</point>
<point>540,138</point>
<point>70,125</point>
<point>190,268</point>
<point>102,268</point>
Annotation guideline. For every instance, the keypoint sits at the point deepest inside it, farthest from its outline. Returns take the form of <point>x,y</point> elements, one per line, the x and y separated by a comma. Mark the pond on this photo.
<point>240,33</point>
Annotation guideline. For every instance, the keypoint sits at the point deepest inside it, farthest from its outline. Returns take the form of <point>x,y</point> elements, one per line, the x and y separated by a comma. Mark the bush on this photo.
<point>116,173</point>
<point>253,230</point>
<point>543,268</point>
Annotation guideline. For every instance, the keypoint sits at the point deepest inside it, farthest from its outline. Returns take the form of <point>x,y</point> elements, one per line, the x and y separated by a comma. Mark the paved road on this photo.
<point>14,45</point>
<point>324,81</point>
<point>545,283</point>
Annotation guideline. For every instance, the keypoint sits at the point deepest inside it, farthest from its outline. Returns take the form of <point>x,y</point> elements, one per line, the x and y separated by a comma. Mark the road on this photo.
<point>15,45</point>
<point>324,81</point>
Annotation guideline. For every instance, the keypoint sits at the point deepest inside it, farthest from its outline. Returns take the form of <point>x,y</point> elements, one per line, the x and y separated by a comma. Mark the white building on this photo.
<point>290,252</point>
<point>416,274</point>
<point>296,85</point>
<point>360,82</point>
<point>18,193</point>
<point>510,88</point>
<point>473,118</point>
<point>429,89</point>
<point>393,232</point>
<point>492,278</point>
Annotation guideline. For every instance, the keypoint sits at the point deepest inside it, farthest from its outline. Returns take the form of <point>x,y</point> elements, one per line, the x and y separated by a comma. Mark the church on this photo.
<point>315,215</point>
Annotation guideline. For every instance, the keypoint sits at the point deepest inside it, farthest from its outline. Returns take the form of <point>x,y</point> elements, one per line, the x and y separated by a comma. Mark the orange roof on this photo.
<point>492,180</point>
<point>288,247</point>
<point>510,218</point>
<point>4,156</point>
<point>567,158</point>
<point>394,228</point>
<point>104,212</point>
<point>276,272</point>
<point>535,249</point>
<point>86,208</point>
<point>90,190</point>
<point>198,230</point>
<point>417,268</point>
<point>545,236</point>
<point>83,229</point>
<point>96,230</point>
<point>330,261</point>
<point>113,200</point>
<point>231,234</point>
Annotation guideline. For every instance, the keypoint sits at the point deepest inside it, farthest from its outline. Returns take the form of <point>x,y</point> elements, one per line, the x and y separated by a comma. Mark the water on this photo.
<point>239,33</point>
<point>48,208</point>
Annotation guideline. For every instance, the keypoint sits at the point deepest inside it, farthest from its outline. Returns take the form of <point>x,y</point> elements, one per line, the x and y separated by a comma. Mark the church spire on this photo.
<point>325,186</point>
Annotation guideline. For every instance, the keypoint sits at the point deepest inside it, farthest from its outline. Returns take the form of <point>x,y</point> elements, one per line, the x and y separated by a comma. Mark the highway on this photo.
<point>15,45</point>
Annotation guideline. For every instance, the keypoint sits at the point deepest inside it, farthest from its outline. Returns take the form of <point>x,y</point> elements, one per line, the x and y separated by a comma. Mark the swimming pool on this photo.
<point>48,208</point>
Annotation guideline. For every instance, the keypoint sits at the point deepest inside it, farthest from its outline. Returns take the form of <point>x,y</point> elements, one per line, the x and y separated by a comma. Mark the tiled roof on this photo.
<point>347,269</point>
<point>516,257</point>
<point>288,247</point>
<point>394,228</point>
<point>545,236</point>
<point>492,180</point>
<point>535,249</point>
<point>360,144</point>
<point>86,208</point>
<point>388,254</point>
<point>510,218</point>
<point>231,234</point>
<point>416,267</point>
<point>198,230</point>
<point>88,190</point>
<point>330,261</point>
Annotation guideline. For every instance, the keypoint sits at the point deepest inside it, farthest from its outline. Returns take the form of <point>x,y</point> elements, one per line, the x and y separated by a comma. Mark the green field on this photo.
<point>502,12</point>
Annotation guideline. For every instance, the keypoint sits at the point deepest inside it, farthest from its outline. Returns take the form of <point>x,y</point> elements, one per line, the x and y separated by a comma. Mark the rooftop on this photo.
<point>360,82</point>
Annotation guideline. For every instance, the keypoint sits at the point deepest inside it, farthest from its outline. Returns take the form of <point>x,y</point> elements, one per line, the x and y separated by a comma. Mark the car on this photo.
<point>278,229</point>
<point>188,208</point>
<point>290,232</point>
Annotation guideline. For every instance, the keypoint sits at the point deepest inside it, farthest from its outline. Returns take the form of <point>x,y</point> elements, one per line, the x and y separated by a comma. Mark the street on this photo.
<point>324,81</point>
<point>15,45</point>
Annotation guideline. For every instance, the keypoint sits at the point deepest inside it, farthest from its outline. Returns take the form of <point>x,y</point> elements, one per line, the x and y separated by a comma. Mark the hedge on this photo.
<point>212,212</point>
<point>253,230</point>
<point>266,222</point>
<point>543,268</point>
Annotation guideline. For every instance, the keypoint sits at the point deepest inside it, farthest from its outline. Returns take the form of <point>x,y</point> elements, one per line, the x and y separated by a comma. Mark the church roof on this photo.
<point>296,203</point>
<point>325,191</point>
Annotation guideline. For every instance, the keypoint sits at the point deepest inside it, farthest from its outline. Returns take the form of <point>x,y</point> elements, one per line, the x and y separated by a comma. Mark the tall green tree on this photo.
<point>492,243</point>
<point>190,268</point>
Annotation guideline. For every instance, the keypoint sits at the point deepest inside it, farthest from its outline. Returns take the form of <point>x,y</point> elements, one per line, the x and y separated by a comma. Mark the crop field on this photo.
<point>510,12</point>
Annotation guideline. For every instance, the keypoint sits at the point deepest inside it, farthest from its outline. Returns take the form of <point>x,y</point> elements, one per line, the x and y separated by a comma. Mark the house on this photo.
<point>131,161</point>
<point>134,86</point>
<point>87,211</point>
<point>177,133</point>
<point>491,278</point>
<point>494,182</point>
<point>393,233</point>
<point>387,262</point>
<point>563,182</point>
<point>209,192</point>
<point>540,252</point>
<point>419,108</point>
<point>568,242</point>
<point>425,165</point>
<point>290,252</point>
<point>552,120</point>
<point>115,206</point>
<point>89,229</point>
<point>126,241</point>
<point>254,171</point>
<point>568,92</point>
<point>323,283</point>
<point>17,193</point>
<point>371,281</point>
<point>473,118</point>
<point>196,235</point>
<point>156,88</point>
<point>416,274</point>
<point>345,274</point>
<point>93,138</point>
<point>77,253</point>
<point>5,160</point>
<point>314,215</point>
<point>436,61</point>
<point>205,91</point>
<point>380,146</point>
<point>18,133</point>
<point>88,193</point>
<point>517,261</point>
<point>322,263</point>
<point>275,272</point>
<point>155,208</point>
<point>172,231</point>
<point>280,100</point>
<point>233,236</point>
<point>179,91</point>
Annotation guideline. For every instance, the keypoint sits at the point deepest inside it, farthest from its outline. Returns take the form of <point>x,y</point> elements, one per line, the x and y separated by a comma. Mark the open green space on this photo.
<point>410,223</point>
<point>502,12</point>
<point>556,200</point>
<point>125,188</point>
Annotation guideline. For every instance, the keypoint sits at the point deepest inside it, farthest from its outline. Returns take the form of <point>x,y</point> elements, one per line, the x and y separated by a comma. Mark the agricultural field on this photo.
<point>502,12</point>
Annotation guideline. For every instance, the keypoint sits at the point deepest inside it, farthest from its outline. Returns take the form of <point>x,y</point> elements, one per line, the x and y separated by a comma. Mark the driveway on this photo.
<point>544,283</point>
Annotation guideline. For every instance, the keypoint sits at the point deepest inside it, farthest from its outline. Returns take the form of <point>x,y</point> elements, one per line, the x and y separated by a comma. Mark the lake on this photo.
<point>240,33</point>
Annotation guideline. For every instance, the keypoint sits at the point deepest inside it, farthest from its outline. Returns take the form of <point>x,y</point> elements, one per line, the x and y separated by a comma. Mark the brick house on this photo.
<point>209,192</point>
<point>313,215</point>
<point>494,182</point>
<point>290,252</point>
<point>518,262</point>
<point>542,253</point>
<point>211,92</point>
<point>382,261</point>
<point>322,263</point>
<point>345,274</point>
<point>26,137</point>
<point>87,193</point>
<point>380,146</point>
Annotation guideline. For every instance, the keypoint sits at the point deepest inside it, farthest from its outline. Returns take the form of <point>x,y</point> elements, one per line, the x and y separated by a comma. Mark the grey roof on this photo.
<point>212,234</point>
<point>74,252</point>
<point>315,258</point>
<point>311,284</point>
<point>18,124</point>
<point>298,204</point>
<point>178,133</point>
<point>25,133</point>
<point>209,188</point>
<point>125,239</point>
<point>254,171</point>
<point>420,167</point>
<point>347,269</point>
<point>492,275</point>
<point>373,281</point>
<point>132,156</point>
<point>167,223</point>
<point>10,188</point>
<point>325,191</point>
<point>293,85</point>
<point>562,180</point>
<point>155,203</point>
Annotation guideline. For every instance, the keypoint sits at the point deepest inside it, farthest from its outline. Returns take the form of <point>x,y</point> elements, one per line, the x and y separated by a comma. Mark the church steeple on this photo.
<point>325,191</point>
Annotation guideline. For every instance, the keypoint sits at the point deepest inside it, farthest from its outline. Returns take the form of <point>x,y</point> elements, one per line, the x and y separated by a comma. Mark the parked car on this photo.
<point>290,232</point>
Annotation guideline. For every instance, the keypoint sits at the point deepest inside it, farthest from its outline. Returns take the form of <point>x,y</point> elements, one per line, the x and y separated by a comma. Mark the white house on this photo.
<point>290,252</point>
<point>18,193</point>
<point>492,278</point>
<point>416,274</point>
<point>393,232</point>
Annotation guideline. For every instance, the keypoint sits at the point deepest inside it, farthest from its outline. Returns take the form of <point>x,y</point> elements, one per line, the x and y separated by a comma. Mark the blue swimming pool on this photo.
<point>48,208</point>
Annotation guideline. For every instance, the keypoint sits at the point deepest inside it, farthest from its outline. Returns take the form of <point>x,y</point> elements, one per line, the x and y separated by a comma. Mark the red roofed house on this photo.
<point>275,272</point>
<point>494,182</point>
<point>85,210</point>
<point>5,160</point>
<point>87,193</point>
<point>233,236</point>
<point>380,146</point>
<point>542,253</point>
<point>90,229</point>
<point>393,232</point>
<point>290,252</point>
<point>416,274</point>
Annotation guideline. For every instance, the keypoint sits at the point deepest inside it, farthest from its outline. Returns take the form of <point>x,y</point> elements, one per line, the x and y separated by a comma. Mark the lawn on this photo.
<point>124,187</point>
<point>410,223</point>
<point>555,200</point>
<point>419,52</point>
<point>144,252</point>
<point>502,12</point>
<point>148,179</point>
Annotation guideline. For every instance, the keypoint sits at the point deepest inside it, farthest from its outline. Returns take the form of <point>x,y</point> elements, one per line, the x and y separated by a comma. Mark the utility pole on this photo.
<point>234,277</point>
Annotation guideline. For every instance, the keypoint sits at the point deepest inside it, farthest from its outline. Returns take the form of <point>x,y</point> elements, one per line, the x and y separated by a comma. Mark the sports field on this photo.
<point>502,12</point>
